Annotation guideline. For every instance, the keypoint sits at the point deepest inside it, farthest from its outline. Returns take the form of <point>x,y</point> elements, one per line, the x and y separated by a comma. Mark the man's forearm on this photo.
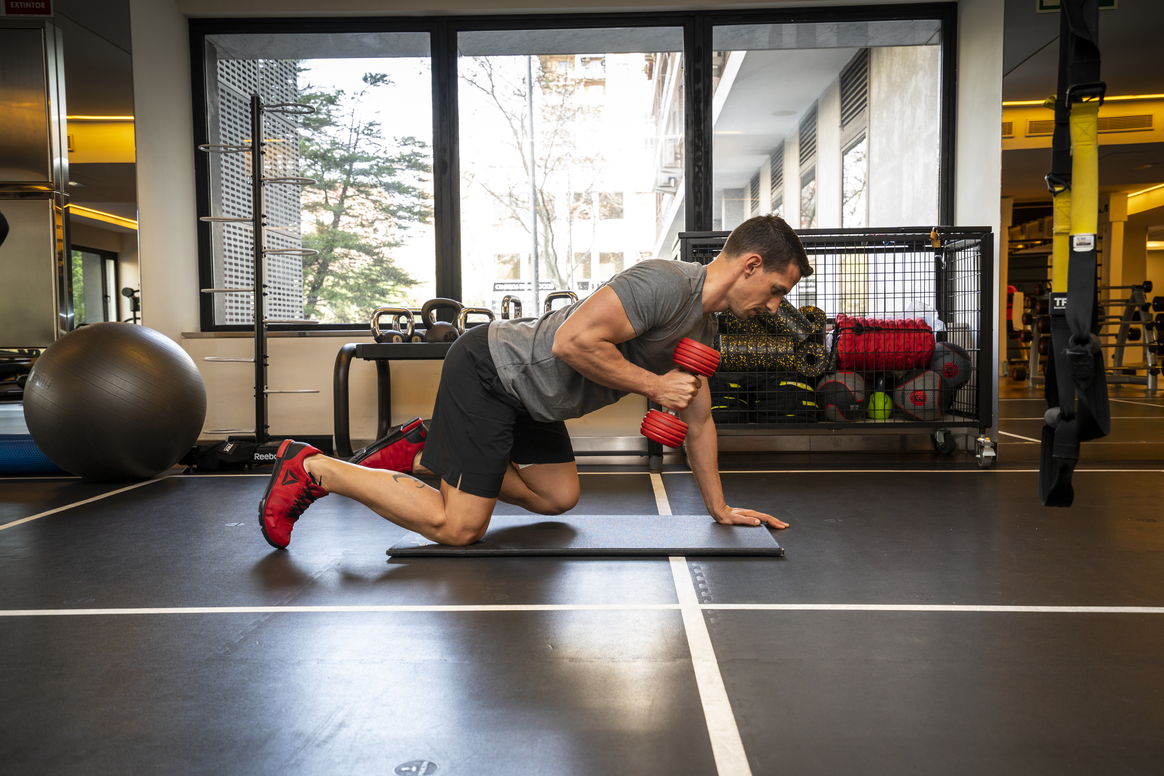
<point>703,457</point>
<point>603,363</point>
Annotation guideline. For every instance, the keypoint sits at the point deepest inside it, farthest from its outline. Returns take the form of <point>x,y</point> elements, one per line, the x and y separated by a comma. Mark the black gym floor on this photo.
<point>929,617</point>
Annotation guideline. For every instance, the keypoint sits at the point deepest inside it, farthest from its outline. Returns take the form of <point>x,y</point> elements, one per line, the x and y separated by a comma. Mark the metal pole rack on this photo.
<point>259,289</point>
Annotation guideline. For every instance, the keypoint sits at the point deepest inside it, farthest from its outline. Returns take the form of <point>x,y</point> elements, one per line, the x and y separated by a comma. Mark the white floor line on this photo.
<point>679,571</point>
<point>937,608</point>
<point>660,494</point>
<point>835,472</point>
<point>1113,417</point>
<point>1019,436</point>
<point>726,744</point>
<point>24,520</point>
<point>1141,403</point>
<point>340,609</point>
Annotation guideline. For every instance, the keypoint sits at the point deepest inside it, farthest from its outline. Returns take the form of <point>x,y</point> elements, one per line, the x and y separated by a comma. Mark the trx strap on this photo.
<point>1076,384</point>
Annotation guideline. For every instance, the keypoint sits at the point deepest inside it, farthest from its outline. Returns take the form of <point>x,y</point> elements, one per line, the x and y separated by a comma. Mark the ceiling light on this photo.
<point>101,215</point>
<point>99,118</point>
<point>1145,191</point>
<point>1110,98</point>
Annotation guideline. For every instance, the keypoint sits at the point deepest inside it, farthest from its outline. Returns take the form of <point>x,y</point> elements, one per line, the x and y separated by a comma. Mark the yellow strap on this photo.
<point>1085,167</point>
<point>1061,245</point>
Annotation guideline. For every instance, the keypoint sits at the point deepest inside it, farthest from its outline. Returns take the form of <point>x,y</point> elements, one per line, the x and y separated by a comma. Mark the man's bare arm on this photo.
<point>703,457</point>
<point>587,340</point>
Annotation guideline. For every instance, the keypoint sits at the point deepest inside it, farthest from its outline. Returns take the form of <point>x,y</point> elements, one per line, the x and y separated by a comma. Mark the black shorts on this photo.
<point>477,428</point>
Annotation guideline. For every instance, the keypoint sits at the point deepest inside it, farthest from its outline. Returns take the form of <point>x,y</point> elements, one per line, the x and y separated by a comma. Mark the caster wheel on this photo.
<point>944,441</point>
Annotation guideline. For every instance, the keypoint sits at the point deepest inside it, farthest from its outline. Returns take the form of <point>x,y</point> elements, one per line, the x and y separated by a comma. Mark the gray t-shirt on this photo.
<point>664,302</point>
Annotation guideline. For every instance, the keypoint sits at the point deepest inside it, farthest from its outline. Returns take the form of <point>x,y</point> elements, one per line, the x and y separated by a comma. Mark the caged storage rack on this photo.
<point>890,304</point>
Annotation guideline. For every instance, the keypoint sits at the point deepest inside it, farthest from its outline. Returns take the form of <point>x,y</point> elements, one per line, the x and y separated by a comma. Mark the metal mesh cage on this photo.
<point>893,327</point>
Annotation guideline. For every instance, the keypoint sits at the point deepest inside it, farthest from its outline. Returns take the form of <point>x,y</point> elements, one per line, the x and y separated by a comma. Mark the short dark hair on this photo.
<point>772,238</point>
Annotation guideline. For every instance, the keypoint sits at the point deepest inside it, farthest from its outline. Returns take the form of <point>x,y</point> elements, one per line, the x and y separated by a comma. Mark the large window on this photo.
<point>571,147</point>
<point>851,112</point>
<point>475,158</point>
<point>368,217</point>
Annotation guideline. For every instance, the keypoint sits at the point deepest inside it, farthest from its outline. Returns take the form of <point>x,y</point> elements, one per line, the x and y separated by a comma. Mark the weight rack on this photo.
<point>906,272</point>
<point>259,227</point>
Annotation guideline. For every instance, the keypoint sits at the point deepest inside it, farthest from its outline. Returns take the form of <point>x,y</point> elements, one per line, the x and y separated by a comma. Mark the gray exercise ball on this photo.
<point>113,402</point>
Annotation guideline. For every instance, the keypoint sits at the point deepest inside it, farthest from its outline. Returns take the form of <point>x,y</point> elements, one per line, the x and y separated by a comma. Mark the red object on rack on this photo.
<point>883,344</point>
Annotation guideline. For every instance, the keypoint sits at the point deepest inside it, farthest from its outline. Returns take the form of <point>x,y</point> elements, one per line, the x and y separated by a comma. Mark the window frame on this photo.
<point>698,89</point>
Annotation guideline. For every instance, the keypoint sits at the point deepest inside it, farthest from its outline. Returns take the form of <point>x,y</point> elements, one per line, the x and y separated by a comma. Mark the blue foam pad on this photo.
<point>20,455</point>
<point>602,535</point>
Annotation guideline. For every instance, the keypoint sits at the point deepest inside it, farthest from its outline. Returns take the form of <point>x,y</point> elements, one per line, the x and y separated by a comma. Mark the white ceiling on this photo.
<point>768,97</point>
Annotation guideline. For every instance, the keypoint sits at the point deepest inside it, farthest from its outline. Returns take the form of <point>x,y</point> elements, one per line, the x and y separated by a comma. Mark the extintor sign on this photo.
<point>28,7</point>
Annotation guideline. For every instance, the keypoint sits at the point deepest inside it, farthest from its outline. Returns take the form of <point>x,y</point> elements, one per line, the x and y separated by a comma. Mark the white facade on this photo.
<point>275,82</point>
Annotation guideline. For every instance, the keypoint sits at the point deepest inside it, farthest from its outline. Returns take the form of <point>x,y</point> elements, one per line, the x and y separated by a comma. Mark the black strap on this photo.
<point>1076,383</point>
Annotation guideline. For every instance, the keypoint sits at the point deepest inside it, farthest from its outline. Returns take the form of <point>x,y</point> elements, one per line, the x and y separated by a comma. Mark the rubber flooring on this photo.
<point>932,621</point>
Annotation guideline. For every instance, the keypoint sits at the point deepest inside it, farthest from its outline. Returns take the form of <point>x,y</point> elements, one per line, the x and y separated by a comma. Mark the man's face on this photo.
<point>758,291</point>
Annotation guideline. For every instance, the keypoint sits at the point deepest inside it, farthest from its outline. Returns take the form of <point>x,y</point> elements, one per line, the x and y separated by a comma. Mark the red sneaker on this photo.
<point>289,492</point>
<point>396,451</point>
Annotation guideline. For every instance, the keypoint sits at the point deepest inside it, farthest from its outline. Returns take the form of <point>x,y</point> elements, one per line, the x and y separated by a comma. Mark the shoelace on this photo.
<point>302,501</point>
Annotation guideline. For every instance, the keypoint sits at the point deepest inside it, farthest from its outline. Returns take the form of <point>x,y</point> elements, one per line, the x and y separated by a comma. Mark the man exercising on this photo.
<point>498,430</point>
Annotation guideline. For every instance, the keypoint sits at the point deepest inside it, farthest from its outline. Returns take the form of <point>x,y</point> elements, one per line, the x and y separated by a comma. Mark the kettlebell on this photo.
<point>507,300</point>
<point>414,336</point>
<point>466,312</point>
<point>394,334</point>
<point>555,295</point>
<point>439,331</point>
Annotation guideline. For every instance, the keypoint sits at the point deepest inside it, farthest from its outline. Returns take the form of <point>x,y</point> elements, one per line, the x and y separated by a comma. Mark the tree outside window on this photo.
<point>808,201</point>
<point>854,186</point>
<point>610,205</point>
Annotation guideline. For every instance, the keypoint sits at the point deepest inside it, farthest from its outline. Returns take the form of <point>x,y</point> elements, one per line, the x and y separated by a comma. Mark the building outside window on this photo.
<point>835,132</point>
<point>854,87</point>
<point>575,164</point>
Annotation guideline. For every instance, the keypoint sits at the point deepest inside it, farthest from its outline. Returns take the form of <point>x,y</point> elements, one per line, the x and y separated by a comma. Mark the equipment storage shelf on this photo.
<point>892,333</point>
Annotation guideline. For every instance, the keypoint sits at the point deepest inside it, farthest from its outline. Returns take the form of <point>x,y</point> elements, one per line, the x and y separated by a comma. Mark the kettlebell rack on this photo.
<point>258,221</point>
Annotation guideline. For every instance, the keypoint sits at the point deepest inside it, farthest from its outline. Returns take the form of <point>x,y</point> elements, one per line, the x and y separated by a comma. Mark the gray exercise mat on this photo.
<point>601,535</point>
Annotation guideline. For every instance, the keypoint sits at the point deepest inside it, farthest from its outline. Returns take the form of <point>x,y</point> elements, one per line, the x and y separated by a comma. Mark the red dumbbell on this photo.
<point>694,358</point>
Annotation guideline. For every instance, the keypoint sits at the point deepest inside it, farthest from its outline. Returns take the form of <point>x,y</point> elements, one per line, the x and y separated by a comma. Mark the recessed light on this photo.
<point>1145,166</point>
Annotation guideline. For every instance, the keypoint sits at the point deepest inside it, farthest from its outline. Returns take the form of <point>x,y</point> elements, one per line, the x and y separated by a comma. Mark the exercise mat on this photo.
<point>601,536</point>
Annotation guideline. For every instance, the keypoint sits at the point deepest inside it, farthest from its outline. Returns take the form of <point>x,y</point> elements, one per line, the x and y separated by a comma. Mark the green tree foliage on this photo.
<point>78,280</point>
<point>369,192</point>
<point>565,167</point>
